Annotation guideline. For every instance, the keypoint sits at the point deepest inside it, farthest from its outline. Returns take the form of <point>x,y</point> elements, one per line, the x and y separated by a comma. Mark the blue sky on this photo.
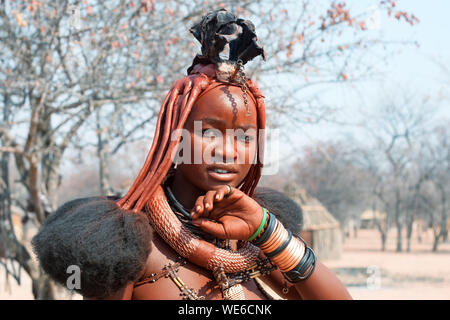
<point>432,36</point>
<point>411,69</point>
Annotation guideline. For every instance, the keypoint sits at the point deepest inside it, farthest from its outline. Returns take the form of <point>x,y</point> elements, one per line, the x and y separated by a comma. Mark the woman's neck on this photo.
<point>184,191</point>
<point>186,194</point>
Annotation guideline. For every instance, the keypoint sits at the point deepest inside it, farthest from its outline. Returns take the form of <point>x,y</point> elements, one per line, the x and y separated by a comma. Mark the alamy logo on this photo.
<point>373,281</point>
<point>74,280</point>
<point>236,146</point>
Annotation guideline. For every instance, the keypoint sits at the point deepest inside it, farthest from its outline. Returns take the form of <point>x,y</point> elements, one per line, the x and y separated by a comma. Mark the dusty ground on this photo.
<point>372,274</point>
<point>10,290</point>
<point>367,272</point>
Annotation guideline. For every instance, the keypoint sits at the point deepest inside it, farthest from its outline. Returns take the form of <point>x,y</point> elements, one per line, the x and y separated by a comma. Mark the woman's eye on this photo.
<point>210,133</point>
<point>245,138</point>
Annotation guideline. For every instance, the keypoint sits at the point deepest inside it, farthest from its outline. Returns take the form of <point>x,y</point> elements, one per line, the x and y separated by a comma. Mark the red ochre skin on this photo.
<point>221,108</point>
<point>196,188</point>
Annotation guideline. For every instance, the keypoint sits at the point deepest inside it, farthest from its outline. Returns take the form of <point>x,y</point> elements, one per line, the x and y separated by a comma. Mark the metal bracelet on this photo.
<point>306,265</point>
<point>280,248</point>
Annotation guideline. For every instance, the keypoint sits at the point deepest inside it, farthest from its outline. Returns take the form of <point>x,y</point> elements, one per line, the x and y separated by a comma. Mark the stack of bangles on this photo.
<point>290,254</point>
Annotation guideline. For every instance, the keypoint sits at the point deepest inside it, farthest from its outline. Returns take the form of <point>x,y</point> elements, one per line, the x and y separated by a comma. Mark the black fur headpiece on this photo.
<point>226,40</point>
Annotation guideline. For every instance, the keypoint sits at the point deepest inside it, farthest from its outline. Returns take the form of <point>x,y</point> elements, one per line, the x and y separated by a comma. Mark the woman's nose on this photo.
<point>226,150</point>
<point>230,152</point>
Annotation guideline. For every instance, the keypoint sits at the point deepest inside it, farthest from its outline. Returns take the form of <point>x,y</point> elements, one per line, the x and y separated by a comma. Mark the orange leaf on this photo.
<point>20,20</point>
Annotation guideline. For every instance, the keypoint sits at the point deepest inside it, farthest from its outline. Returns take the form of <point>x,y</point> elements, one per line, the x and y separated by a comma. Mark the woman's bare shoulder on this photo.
<point>160,255</point>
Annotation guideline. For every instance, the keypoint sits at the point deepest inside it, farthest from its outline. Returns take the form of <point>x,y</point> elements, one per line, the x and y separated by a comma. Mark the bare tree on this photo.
<point>436,193</point>
<point>55,75</point>
<point>331,173</point>
<point>395,129</point>
<point>73,72</point>
<point>377,184</point>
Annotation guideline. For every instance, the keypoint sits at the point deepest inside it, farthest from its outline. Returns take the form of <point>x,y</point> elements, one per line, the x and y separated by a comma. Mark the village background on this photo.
<point>356,94</point>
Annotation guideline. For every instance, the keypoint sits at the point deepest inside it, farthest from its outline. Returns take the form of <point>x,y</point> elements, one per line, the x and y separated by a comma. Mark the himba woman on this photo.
<point>211,238</point>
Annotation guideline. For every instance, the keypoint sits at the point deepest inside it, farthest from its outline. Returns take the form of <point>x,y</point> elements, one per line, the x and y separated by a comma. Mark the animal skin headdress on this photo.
<point>227,44</point>
<point>227,41</point>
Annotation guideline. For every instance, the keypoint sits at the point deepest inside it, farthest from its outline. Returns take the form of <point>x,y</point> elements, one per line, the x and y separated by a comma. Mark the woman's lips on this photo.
<point>221,174</point>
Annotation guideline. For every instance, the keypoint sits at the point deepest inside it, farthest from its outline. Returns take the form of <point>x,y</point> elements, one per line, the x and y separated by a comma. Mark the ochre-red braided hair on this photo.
<point>174,111</point>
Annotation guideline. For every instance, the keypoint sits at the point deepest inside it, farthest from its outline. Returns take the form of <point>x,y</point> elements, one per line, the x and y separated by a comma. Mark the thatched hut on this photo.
<point>320,229</point>
<point>369,218</point>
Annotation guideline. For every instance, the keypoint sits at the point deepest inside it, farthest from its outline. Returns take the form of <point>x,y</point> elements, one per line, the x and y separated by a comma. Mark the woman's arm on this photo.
<point>322,285</point>
<point>237,216</point>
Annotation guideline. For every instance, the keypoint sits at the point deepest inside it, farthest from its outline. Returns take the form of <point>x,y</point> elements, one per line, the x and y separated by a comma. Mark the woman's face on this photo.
<point>223,139</point>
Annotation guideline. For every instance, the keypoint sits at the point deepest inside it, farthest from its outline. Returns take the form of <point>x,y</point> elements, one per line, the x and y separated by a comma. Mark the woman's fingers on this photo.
<point>208,201</point>
<point>214,202</point>
<point>198,208</point>
<point>222,193</point>
<point>211,227</point>
<point>205,204</point>
<point>227,215</point>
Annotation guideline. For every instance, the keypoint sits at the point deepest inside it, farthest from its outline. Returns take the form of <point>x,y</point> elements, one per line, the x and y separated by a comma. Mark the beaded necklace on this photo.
<point>230,284</point>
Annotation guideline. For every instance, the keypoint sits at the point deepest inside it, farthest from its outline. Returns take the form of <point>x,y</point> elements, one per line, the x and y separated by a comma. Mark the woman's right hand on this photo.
<point>236,216</point>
